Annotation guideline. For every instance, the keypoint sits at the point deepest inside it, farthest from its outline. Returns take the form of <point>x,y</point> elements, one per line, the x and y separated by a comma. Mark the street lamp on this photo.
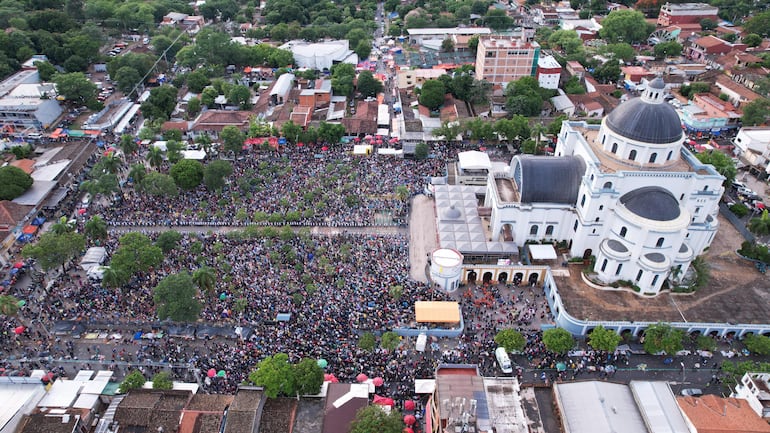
<point>682,364</point>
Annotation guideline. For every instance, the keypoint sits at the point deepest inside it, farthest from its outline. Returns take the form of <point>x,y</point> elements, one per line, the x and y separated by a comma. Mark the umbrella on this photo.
<point>328,377</point>
<point>325,148</point>
<point>300,144</point>
<point>356,139</point>
<point>322,363</point>
<point>378,381</point>
<point>410,420</point>
<point>561,366</point>
<point>368,137</point>
<point>211,372</point>
<point>81,211</point>
<point>407,430</point>
<point>221,373</point>
<point>409,405</point>
<point>19,330</point>
<point>138,335</point>
<point>222,296</point>
<point>18,265</point>
<point>362,378</point>
<point>22,303</point>
<point>14,271</point>
<point>393,140</point>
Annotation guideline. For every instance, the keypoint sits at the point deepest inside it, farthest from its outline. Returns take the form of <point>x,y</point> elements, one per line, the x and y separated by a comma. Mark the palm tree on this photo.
<point>761,225</point>
<point>111,163</point>
<point>537,132</point>
<point>205,278</point>
<point>155,157</point>
<point>112,277</point>
<point>63,226</point>
<point>9,305</point>
<point>127,144</point>
<point>96,228</point>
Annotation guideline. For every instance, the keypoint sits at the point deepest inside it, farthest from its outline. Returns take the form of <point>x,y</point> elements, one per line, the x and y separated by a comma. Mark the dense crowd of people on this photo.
<point>337,189</point>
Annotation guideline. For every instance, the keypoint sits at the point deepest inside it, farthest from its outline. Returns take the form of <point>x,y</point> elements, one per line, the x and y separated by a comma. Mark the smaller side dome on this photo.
<point>452,213</point>
<point>657,83</point>
<point>653,203</point>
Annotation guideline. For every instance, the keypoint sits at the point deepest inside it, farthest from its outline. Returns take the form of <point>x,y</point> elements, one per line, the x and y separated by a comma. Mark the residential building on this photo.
<point>707,113</point>
<point>321,55</point>
<point>563,104</point>
<point>737,94</point>
<point>635,74</point>
<point>755,389</point>
<point>710,45</point>
<point>753,145</point>
<point>343,400</point>
<point>502,59</point>
<point>687,13</point>
<point>408,78</point>
<point>548,72</point>
<point>711,414</point>
<point>575,69</point>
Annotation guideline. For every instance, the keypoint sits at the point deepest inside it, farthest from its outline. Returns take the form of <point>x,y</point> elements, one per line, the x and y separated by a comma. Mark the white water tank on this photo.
<point>446,267</point>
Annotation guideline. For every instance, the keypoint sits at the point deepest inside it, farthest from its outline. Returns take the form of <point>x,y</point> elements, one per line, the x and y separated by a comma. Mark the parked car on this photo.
<point>692,392</point>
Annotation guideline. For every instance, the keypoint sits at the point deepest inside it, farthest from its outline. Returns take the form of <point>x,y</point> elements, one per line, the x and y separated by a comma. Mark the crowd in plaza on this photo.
<point>325,188</point>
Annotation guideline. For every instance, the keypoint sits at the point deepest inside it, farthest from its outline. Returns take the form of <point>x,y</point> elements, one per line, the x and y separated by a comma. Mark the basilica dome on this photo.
<point>648,118</point>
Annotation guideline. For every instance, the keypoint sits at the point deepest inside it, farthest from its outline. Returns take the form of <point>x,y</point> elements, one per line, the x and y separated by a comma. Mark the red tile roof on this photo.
<point>713,414</point>
<point>215,120</point>
<point>27,165</point>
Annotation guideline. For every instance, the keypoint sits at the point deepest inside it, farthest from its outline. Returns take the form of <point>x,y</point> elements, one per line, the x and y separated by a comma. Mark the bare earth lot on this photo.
<point>737,293</point>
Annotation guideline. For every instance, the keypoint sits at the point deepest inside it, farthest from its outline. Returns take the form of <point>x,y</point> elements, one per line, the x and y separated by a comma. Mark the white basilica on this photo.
<point>625,191</point>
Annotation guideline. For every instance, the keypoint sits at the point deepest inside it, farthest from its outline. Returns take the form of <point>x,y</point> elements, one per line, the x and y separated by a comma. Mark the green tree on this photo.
<point>75,87</point>
<point>620,51</point>
<point>13,182</point>
<point>662,337</point>
<point>367,341</point>
<point>161,103</point>
<point>421,151</point>
<point>46,70</point>
<point>113,277</point>
<point>205,278</point>
<point>707,24</point>
<point>368,85</point>
<point>187,173</point>
<point>168,241</point>
<point>760,226</point>
<point>134,380</point>
<point>342,79</point>
<point>53,249</point>
<point>276,375</point>
<point>370,419</point>
<point>390,340</point>
<point>448,131</point>
<point>752,40</point>
<point>668,49</point>
<point>604,339</point>
<point>128,144</point>
<point>9,305</point>
<point>625,25</point>
<point>758,24</point>
<point>137,173</point>
<point>511,340</point>
<point>609,72</point>
<point>241,96</point>
<point>162,380</point>
<point>176,298</point>
<point>193,107</point>
<point>497,19</point>
<point>330,132</point>
<point>756,112</point>
<point>447,45</point>
<point>432,94</point>
<point>363,49</point>
<point>308,376</point>
<point>96,228</point>
<point>155,157</point>
<point>136,253</point>
<point>758,344</point>
<point>558,340</point>
<point>232,139</point>
<point>722,163</point>
<point>215,172</point>
<point>127,78</point>
<point>159,185</point>
<point>566,40</point>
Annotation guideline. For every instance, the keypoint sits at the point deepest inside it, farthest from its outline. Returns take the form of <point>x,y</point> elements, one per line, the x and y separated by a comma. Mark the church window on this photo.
<point>659,243</point>
<point>623,232</point>
<point>639,275</point>
<point>549,230</point>
<point>574,228</point>
<point>632,155</point>
<point>607,185</point>
<point>670,154</point>
<point>653,157</point>
<point>655,279</point>
<point>583,200</point>
<point>614,148</point>
<point>533,230</point>
<point>604,265</point>
<point>620,267</point>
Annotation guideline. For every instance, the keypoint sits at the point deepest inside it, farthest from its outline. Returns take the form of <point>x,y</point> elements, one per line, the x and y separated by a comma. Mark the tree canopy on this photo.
<point>13,182</point>
<point>756,112</point>
<point>55,249</point>
<point>432,94</point>
<point>722,163</point>
<point>275,375</point>
<point>136,253</point>
<point>161,103</point>
<point>558,340</point>
<point>662,337</point>
<point>176,298</point>
<point>371,419</point>
<point>158,184</point>
<point>133,380</point>
<point>187,173</point>
<point>625,25</point>
<point>604,339</point>
<point>511,340</point>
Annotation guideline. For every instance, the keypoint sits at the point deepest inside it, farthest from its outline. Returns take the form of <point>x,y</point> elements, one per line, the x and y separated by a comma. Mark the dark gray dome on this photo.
<point>657,83</point>
<point>548,179</point>
<point>652,202</point>
<point>617,246</point>
<point>655,257</point>
<point>647,122</point>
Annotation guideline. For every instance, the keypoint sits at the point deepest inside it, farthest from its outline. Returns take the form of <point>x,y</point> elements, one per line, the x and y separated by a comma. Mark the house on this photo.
<point>754,387</point>
<point>707,113</point>
<point>713,414</point>
<point>575,69</point>
<point>408,78</point>
<point>433,37</point>
<point>635,74</point>
<point>204,413</point>
<point>705,46</point>
<point>343,400</point>
<point>753,145</point>
<point>563,104</point>
<point>548,72</point>
<point>737,93</point>
<point>587,104</point>
<point>152,410</point>
<point>364,121</point>
<point>212,122</point>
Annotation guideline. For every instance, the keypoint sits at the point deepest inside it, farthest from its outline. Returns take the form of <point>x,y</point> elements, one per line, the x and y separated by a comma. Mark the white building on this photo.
<point>548,72</point>
<point>753,145</point>
<point>320,55</point>
<point>625,191</point>
<point>755,389</point>
<point>435,36</point>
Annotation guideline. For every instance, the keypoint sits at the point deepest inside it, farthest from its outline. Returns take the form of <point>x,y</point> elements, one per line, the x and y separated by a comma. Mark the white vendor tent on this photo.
<point>94,257</point>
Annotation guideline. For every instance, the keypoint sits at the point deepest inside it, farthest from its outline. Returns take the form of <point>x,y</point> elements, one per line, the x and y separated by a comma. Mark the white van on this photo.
<point>503,360</point>
<point>422,341</point>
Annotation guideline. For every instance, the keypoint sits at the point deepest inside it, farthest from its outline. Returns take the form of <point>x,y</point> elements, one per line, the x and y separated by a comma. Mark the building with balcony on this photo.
<point>707,113</point>
<point>502,59</point>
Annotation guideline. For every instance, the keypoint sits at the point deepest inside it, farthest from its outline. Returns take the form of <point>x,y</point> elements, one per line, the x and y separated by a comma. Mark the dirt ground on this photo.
<point>736,293</point>
<point>422,235</point>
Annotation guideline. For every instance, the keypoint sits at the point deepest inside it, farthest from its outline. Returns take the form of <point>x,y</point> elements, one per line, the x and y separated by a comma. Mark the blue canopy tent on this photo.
<point>138,335</point>
<point>38,221</point>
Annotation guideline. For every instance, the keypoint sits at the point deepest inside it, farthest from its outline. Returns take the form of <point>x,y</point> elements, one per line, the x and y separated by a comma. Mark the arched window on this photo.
<point>533,230</point>
<point>614,148</point>
<point>653,157</point>
<point>604,137</point>
<point>583,200</point>
<point>617,271</point>
<point>670,154</point>
<point>549,230</point>
<point>639,275</point>
<point>655,279</point>
<point>706,188</point>
<point>659,243</point>
<point>604,265</point>
<point>623,232</point>
<point>632,155</point>
<point>607,185</point>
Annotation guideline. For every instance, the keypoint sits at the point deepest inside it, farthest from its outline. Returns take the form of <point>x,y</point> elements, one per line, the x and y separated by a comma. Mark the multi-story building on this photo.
<point>755,389</point>
<point>548,72</point>
<point>753,145</point>
<point>686,13</point>
<point>502,59</point>
<point>707,113</point>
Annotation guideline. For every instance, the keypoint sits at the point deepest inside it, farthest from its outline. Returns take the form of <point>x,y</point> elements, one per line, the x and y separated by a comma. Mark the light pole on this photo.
<point>683,378</point>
